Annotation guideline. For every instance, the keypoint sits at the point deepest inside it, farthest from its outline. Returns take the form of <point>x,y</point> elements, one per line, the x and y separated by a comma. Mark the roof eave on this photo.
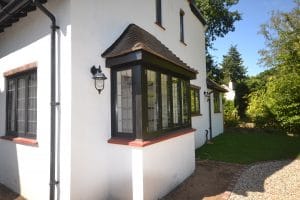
<point>144,57</point>
<point>197,13</point>
<point>215,86</point>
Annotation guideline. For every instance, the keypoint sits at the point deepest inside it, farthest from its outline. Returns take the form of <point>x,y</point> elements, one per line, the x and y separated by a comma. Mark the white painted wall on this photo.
<point>167,164</point>
<point>149,172</point>
<point>25,169</point>
<point>217,118</point>
<point>94,162</point>
<point>89,167</point>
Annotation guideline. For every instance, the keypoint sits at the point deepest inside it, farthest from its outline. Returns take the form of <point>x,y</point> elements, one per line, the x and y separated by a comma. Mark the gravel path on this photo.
<point>277,180</point>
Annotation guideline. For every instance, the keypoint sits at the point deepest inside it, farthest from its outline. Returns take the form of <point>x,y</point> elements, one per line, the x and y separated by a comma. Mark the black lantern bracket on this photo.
<point>99,78</point>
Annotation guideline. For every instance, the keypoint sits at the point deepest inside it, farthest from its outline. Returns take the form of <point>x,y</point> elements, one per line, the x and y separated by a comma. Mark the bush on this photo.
<point>231,118</point>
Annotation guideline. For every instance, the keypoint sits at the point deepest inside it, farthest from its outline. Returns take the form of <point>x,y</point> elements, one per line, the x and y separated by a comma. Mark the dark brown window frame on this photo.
<point>15,75</point>
<point>139,102</point>
<point>158,6</point>
<point>217,102</point>
<point>181,26</point>
<point>195,89</point>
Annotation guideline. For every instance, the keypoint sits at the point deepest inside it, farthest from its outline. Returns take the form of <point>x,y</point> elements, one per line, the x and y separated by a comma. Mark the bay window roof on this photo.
<point>12,10</point>
<point>137,45</point>
<point>214,86</point>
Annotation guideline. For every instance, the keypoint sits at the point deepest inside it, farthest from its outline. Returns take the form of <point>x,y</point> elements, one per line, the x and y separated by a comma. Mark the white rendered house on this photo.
<point>134,140</point>
<point>230,95</point>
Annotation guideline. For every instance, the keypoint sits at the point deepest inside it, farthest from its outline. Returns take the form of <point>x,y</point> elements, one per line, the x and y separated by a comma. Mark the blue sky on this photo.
<point>246,37</point>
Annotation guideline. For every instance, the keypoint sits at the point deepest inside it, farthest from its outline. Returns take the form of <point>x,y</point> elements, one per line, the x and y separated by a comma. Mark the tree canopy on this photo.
<point>234,70</point>
<point>220,20</point>
<point>232,66</point>
<point>278,100</point>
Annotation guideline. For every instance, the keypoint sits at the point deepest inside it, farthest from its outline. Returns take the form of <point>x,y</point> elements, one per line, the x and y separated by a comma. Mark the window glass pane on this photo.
<point>158,12</point>
<point>184,102</point>
<point>176,101</point>
<point>152,101</point>
<point>21,105</point>
<point>11,106</point>
<point>197,102</point>
<point>32,95</point>
<point>181,26</point>
<point>124,101</point>
<point>216,102</point>
<point>193,108</point>
<point>165,103</point>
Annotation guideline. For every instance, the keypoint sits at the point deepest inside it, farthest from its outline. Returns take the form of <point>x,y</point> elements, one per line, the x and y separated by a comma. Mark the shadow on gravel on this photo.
<point>212,179</point>
<point>253,179</point>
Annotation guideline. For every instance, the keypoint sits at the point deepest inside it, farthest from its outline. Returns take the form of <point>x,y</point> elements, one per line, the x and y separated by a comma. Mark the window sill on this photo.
<point>21,140</point>
<point>142,143</point>
<point>196,115</point>
<point>160,26</point>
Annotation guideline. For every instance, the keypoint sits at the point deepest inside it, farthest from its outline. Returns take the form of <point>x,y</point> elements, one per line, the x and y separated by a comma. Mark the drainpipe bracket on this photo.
<point>54,103</point>
<point>55,27</point>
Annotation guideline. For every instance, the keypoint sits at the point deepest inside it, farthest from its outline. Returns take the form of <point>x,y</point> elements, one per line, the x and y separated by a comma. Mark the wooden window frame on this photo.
<point>181,26</point>
<point>196,91</point>
<point>139,102</point>
<point>15,77</point>
<point>217,102</point>
<point>158,7</point>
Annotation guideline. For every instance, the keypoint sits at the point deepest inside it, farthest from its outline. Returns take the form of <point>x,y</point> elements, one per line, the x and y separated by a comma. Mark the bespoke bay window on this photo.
<point>148,102</point>
<point>149,86</point>
<point>21,104</point>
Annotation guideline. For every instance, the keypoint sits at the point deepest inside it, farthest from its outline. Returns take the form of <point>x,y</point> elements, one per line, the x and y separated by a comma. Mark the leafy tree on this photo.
<point>232,66</point>
<point>213,71</point>
<point>257,109</point>
<point>233,70</point>
<point>220,20</point>
<point>279,100</point>
<point>231,118</point>
<point>282,35</point>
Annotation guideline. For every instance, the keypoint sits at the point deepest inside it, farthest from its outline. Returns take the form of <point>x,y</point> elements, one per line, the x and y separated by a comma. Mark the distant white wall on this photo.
<point>25,169</point>
<point>217,118</point>
<point>230,95</point>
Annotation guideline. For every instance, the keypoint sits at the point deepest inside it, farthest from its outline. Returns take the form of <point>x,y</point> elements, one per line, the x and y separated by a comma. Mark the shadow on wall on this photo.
<point>9,171</point>
<point>26,37</point>
<point>9,166</point>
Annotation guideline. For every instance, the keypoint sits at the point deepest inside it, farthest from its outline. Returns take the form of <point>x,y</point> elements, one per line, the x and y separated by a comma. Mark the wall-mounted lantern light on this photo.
<point>98,77</point>
<point>207,94</point>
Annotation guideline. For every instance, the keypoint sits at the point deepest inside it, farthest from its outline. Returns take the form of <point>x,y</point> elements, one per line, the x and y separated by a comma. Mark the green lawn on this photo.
<point>247,148</point>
